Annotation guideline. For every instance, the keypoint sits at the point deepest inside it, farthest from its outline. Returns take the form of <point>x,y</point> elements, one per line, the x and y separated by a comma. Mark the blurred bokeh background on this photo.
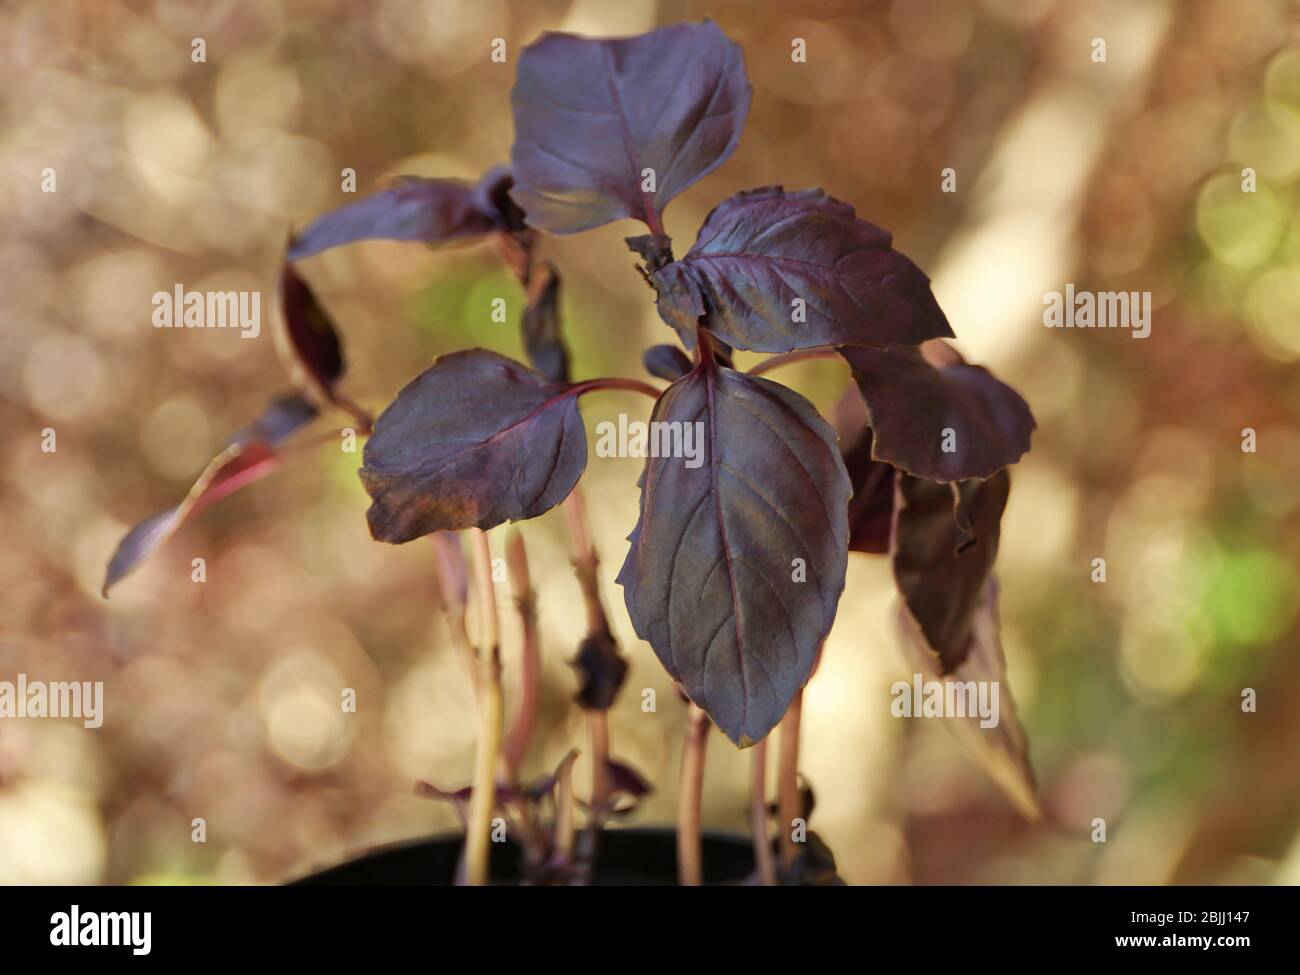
<point>223,697</point>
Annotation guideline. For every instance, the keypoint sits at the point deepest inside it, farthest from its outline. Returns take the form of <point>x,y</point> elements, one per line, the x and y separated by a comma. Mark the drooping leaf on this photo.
<point>666,362</point>
<point>940,565</point>
<point>543,333</point>
<point>737,562</point>
<point>871,509</point>
<point>776,270</point>
<point>601,670</point>
<point>283,417</point>
<point>474,441</point>
<point>944,424</point>
<point>434,211</point>
<point>249,456</point>
<point>310,341</point>
<point>595,118</point>
<point>1002,750</point>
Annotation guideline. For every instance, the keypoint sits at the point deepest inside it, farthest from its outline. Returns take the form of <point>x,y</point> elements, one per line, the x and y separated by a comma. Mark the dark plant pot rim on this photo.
<point>638,856</point>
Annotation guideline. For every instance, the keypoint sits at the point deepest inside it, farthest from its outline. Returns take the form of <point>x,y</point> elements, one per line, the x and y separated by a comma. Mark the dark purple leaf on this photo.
<point>627,787</point>
<point>284,417</point>
<point>1002,750</point>
<point>737,564</point>
<point>946,424</point>
<point>666,362</point>
<point>543,335</point>
<point>231,470</point>
<point>592,115</point>
<point>474,441</point>
<point>435,211</point>
<point>312,341</point>
<point>871,509</point>
<point>248,456</point>
<point>601,671</point>
<point>940,566</point>
<point>776,270</point>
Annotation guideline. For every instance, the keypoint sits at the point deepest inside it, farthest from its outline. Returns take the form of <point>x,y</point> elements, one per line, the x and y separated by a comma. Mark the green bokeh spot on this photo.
<point>1253,597</point>
<point>458,309</point>
<point>1241,229</point>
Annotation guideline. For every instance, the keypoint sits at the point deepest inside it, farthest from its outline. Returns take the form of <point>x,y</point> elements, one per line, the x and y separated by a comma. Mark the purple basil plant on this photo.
<point>736,565</point>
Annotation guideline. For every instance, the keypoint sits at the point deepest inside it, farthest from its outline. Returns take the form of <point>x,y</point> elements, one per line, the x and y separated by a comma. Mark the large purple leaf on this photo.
<point>474,441</point>
<point>435,211</point>
<point>941,565</point>
<point>945,424</point>
<point>592,115</point>
<point>776,270</point>
<point>248,456</point>
<point>737,564</point>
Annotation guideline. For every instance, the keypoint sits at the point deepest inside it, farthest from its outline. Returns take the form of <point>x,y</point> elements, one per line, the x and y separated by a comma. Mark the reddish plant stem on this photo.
<point>598,736</point>
<point>364,420</point>
<point>788,802</point>
<point>585,565</point>
<point>764,863</point>
<point>516,253</point>
<point>652,218</point>
<point>616,382</point>
<point>307,443</point>
<point>690,844</point>
<point>788,358</point>
<point>585,561</point>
